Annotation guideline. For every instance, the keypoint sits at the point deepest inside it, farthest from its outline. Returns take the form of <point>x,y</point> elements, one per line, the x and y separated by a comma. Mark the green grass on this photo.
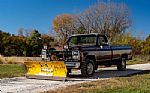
<point>12,70</point>
<point>139,60</point>
<point>133,84</point>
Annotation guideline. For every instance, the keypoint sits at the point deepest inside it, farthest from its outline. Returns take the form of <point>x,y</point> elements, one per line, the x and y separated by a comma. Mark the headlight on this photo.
<point>75,54</point>
<point>65,46</point>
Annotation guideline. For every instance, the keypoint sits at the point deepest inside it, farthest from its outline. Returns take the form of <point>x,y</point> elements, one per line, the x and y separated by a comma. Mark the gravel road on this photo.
<point>23,85</point>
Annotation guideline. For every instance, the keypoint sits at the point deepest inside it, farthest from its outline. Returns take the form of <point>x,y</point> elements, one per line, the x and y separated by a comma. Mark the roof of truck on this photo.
<point>85,34</point>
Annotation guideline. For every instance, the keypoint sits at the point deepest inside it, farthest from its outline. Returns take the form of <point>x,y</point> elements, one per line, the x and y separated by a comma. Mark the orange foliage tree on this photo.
<point>63,24</point>
<point>146,46</point>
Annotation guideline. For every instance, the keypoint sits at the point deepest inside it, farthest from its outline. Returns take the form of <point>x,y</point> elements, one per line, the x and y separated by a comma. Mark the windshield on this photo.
<point>82,40</point>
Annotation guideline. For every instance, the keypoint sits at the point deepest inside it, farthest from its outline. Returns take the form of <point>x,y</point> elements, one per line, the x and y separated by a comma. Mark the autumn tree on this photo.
<point>15,46</point>
<point>20,45</point>
<point>4,39</point>
<point>63,25</point>
<point>123,39</point>
<point>47,39</point>
<point>11,44</point>
<point>146,46</point>
<point>105,18</point>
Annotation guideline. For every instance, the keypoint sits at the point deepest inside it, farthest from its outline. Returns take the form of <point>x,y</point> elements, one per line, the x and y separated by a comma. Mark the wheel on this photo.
<point>121,66</point>
<point>68,71</point>
<point>87,68</point>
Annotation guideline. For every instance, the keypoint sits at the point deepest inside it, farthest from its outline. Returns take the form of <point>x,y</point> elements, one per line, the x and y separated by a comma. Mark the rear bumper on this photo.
<point>72,64</point>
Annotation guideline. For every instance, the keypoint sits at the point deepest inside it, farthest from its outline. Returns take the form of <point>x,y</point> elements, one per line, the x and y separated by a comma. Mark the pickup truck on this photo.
<point>87,51</point>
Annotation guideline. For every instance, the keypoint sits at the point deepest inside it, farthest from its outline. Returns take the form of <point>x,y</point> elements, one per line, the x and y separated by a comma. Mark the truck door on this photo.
<point>105,52</point>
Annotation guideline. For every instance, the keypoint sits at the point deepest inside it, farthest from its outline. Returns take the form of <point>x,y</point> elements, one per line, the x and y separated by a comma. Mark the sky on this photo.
<point>39,14</point>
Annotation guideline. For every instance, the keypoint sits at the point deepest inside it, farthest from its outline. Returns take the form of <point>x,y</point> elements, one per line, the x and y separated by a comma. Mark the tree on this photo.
<point>105,18</point>
<point>14,46</point>
<point>63,25</point>
<point>122,39</point>
<point>137,46</point>
<point>34,44</point>
<point>4,39</point>
<point>46,39</point>
<point>146,46</point>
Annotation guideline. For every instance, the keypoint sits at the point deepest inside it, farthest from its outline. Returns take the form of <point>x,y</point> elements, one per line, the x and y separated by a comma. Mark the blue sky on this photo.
<point>38,14</point>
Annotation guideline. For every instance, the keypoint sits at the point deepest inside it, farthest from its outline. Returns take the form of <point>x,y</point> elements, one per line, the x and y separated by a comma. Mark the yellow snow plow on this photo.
<point>51,66</point>
<point>55,70</point>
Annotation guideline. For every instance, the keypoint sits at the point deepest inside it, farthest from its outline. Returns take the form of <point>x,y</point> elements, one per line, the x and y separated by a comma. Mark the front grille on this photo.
<point>68,55</point>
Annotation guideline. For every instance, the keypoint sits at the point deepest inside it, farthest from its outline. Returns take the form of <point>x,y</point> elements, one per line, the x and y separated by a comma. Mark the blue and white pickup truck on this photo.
<point>87,51</point>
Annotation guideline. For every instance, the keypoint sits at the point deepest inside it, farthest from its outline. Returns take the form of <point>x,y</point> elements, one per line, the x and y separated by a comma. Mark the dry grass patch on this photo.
<point>140,59</point>
<point>85,87</point>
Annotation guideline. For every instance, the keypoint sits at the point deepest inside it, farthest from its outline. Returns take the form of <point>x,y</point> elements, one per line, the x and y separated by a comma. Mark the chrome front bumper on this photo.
<point>72,64</point>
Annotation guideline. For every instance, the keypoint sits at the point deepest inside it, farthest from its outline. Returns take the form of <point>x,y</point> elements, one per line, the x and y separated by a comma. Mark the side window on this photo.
<point>101,40</point>
<point>73,41</point>
<point>88,40</point>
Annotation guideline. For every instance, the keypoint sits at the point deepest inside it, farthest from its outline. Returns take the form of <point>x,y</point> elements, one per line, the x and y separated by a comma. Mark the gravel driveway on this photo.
<point>23,85</point>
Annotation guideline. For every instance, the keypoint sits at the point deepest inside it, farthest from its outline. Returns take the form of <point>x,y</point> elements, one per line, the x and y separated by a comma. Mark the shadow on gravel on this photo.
<point>103,74</point>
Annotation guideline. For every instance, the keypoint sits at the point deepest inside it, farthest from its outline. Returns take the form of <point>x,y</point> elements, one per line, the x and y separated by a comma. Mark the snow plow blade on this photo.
<point>54,70</point>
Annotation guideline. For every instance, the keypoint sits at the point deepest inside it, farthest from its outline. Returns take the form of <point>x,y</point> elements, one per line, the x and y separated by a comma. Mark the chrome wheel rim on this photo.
<point>90,68</point>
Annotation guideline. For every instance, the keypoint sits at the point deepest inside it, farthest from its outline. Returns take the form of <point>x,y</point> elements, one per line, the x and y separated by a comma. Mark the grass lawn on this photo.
<point>133,84</point>
<point>139,60</point>
<point>139,83</point>
<point>136,61</point>
<point>12,70</point>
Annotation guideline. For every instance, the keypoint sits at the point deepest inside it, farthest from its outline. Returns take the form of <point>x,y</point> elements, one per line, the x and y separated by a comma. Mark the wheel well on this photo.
<point>91,57</point>
<point>124,56</point>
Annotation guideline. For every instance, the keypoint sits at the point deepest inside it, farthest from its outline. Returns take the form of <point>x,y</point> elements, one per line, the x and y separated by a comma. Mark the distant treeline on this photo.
<point>20,45</point>
<point>139,46</point>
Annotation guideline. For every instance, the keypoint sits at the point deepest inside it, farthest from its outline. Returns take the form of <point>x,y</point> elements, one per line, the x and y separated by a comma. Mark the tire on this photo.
<point>87,68</point>
<point>121,66</point>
